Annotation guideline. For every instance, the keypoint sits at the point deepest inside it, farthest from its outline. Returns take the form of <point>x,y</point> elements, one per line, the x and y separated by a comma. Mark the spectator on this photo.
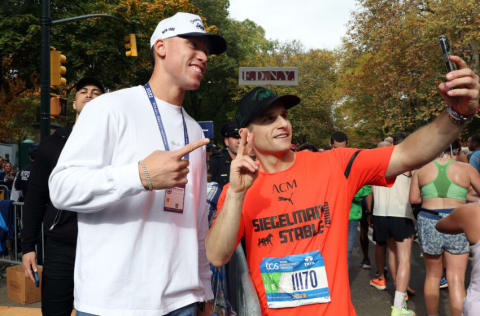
<point>309,147</point>
<point>338,140</point>
<point>24,175</point>
<point>389,139</point>
<point>474,146</point>
<point>459,154</point>
<point>60,226</point>
<point>7,176</point>
<point>220,161</point>
<point>139,203</point>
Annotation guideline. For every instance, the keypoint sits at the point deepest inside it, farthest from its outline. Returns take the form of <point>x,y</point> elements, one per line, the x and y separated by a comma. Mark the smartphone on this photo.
<point>37,281</point>
<point>445,46</point>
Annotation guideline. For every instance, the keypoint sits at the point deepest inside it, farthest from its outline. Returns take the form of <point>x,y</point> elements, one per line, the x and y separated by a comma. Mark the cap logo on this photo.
<point>261,95</point>
<point>168,29</point>
<point>200,26</point>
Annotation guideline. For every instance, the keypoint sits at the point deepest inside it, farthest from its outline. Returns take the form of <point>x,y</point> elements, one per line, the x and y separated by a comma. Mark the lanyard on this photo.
<point>159,120</point>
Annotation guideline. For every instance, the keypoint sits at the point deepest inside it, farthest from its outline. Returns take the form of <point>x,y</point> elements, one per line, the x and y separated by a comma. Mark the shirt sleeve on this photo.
<point>84,179</point>
<point>37,198</point>
<point>475,160</point>
<point>365,166</point>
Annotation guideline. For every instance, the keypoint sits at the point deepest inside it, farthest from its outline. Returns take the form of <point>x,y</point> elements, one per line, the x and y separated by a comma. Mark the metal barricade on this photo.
<point>14,255</point>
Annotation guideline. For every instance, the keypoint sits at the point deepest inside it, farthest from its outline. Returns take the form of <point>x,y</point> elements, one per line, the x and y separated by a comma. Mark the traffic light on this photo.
<point>131,45</point>
<point>57,69</point>
<point>58,106</point>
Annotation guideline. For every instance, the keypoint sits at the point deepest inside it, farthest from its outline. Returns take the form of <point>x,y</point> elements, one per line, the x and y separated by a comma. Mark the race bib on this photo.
<point>295,280</point>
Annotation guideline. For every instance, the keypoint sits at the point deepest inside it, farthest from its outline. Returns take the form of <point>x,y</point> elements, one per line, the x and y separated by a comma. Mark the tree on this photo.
<point>95,47</point>
<point>391,62</point>
<point>312,120</point>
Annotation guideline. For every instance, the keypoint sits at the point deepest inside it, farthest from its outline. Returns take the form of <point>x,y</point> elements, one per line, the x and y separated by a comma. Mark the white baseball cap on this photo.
<point>187,25</point>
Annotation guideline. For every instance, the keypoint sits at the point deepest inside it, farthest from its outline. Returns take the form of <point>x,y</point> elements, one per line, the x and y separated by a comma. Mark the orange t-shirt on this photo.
<point>303,209</point>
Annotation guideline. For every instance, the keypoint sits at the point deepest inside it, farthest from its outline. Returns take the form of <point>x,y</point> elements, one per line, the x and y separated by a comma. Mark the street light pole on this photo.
<point>45,21</point>
<point>46,24</point>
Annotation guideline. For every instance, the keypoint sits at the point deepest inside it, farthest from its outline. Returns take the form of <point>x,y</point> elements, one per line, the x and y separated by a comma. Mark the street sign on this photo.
<point>207,127</point>
<point>273,76</point>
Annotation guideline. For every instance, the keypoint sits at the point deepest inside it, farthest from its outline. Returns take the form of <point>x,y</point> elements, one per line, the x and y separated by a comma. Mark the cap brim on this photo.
<point>217,43</point>
<point>287,100</point>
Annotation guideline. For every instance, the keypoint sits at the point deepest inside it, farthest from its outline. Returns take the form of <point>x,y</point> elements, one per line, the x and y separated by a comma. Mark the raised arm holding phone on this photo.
<point>292,208</point>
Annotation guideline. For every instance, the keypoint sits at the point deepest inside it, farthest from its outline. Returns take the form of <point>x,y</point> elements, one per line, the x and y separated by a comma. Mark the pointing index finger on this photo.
<point>191,147</point>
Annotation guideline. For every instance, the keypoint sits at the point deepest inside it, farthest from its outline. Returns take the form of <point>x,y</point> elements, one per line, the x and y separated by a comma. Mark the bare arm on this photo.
<point>465,218</point>
<point>461,92</point>
<point>369,202</point>
<point>415,194</point>
<point>472,196</point>
<point>222,236</point>
<point>452,224</point>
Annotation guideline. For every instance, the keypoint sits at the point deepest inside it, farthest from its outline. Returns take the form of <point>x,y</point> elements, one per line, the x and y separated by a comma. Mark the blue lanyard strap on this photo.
<point>160,123</point>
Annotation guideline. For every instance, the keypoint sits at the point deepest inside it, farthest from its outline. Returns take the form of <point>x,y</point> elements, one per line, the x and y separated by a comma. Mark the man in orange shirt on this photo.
<point>292,208</point>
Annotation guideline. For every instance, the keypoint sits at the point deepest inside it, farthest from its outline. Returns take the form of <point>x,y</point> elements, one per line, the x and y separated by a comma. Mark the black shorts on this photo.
<point>398,228</point>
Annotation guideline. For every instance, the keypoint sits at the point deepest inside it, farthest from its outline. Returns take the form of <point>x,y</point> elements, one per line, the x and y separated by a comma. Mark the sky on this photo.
<point>316,23</point>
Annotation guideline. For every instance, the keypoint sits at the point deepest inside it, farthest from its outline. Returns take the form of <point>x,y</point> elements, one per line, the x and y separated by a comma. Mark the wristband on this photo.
<point>456,117</point>
<point>147,175</point>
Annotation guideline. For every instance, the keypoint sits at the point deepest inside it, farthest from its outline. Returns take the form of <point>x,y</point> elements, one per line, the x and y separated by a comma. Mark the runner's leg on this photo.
<point>403,268</point>
<point>392,258</point>
<point>456,268</point>
<point>434,269</point>
<point>380,252</point>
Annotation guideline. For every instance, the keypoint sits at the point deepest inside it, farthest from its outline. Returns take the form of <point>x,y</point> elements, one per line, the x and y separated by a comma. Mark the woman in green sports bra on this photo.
<point>440,186</point>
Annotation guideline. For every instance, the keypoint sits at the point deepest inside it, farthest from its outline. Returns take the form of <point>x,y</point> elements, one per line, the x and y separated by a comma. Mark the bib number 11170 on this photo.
<point>304,280</point>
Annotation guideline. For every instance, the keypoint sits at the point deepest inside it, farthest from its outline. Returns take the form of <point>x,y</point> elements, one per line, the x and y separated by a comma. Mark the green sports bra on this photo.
<point>442,186</point>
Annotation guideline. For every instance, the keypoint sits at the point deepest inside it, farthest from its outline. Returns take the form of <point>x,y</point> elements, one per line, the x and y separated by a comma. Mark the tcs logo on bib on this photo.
<point>271,265</point>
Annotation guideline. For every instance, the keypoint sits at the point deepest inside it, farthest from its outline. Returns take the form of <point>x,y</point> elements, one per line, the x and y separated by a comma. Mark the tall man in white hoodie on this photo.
<point>131,171</point>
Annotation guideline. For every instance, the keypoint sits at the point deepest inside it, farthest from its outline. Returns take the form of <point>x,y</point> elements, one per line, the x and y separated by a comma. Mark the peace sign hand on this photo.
<point>243,169</point>
<point>167,169</point>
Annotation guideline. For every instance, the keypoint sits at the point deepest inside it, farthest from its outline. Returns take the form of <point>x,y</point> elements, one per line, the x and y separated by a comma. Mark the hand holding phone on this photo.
<point>445,46</point>
<point>37,281</point>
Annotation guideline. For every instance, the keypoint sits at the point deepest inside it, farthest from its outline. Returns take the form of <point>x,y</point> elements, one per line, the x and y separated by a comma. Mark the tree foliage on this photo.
<point>95,47</point>
<point>391,63</point>
<point>312,120</point>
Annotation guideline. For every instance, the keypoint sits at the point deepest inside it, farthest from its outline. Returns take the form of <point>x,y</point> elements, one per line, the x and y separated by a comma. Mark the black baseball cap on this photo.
<point>230,129</point>
<point>257,101</point>
<point>87,81</point>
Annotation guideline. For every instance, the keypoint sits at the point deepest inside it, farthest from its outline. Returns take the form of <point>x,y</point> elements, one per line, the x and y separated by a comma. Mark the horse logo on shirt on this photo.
<point>265,241</point>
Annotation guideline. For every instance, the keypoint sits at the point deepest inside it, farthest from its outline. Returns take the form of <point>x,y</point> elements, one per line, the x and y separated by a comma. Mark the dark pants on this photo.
<point>57,281</point>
